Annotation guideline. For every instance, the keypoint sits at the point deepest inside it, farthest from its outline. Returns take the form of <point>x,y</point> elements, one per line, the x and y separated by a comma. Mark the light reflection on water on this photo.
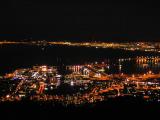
<point>128,65</point>
<point>13,57</point>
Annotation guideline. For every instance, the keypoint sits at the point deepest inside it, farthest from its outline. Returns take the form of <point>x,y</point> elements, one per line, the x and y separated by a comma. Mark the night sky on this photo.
<point>130,20</point>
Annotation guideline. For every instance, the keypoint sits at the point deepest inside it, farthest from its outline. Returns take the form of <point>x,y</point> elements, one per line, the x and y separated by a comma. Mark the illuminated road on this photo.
<point>104,76</point>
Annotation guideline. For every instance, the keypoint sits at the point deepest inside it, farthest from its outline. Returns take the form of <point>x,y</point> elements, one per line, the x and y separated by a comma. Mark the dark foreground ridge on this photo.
<point>120,106</point>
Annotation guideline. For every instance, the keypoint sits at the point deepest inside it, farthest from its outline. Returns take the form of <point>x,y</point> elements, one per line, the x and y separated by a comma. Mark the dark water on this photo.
<point>21,56</point>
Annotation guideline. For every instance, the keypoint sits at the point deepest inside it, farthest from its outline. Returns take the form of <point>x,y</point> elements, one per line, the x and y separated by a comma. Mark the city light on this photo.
<point>43,80</point>
<point>89,81</point>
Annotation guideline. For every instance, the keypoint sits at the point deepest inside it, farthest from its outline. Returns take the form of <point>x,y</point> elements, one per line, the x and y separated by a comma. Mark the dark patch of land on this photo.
<point>119,107</point>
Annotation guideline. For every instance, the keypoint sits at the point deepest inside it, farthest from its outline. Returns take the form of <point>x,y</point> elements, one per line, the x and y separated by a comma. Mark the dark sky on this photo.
<point>80,19</point>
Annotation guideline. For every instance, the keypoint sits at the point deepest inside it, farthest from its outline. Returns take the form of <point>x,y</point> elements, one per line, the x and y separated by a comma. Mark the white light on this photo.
<point>46,88</point>
<point>51,88</point>
<point>7,96</point>
<point>58,75</point>
<point>72,83</point>
<point>21,95</point>
<point>150,72</point>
